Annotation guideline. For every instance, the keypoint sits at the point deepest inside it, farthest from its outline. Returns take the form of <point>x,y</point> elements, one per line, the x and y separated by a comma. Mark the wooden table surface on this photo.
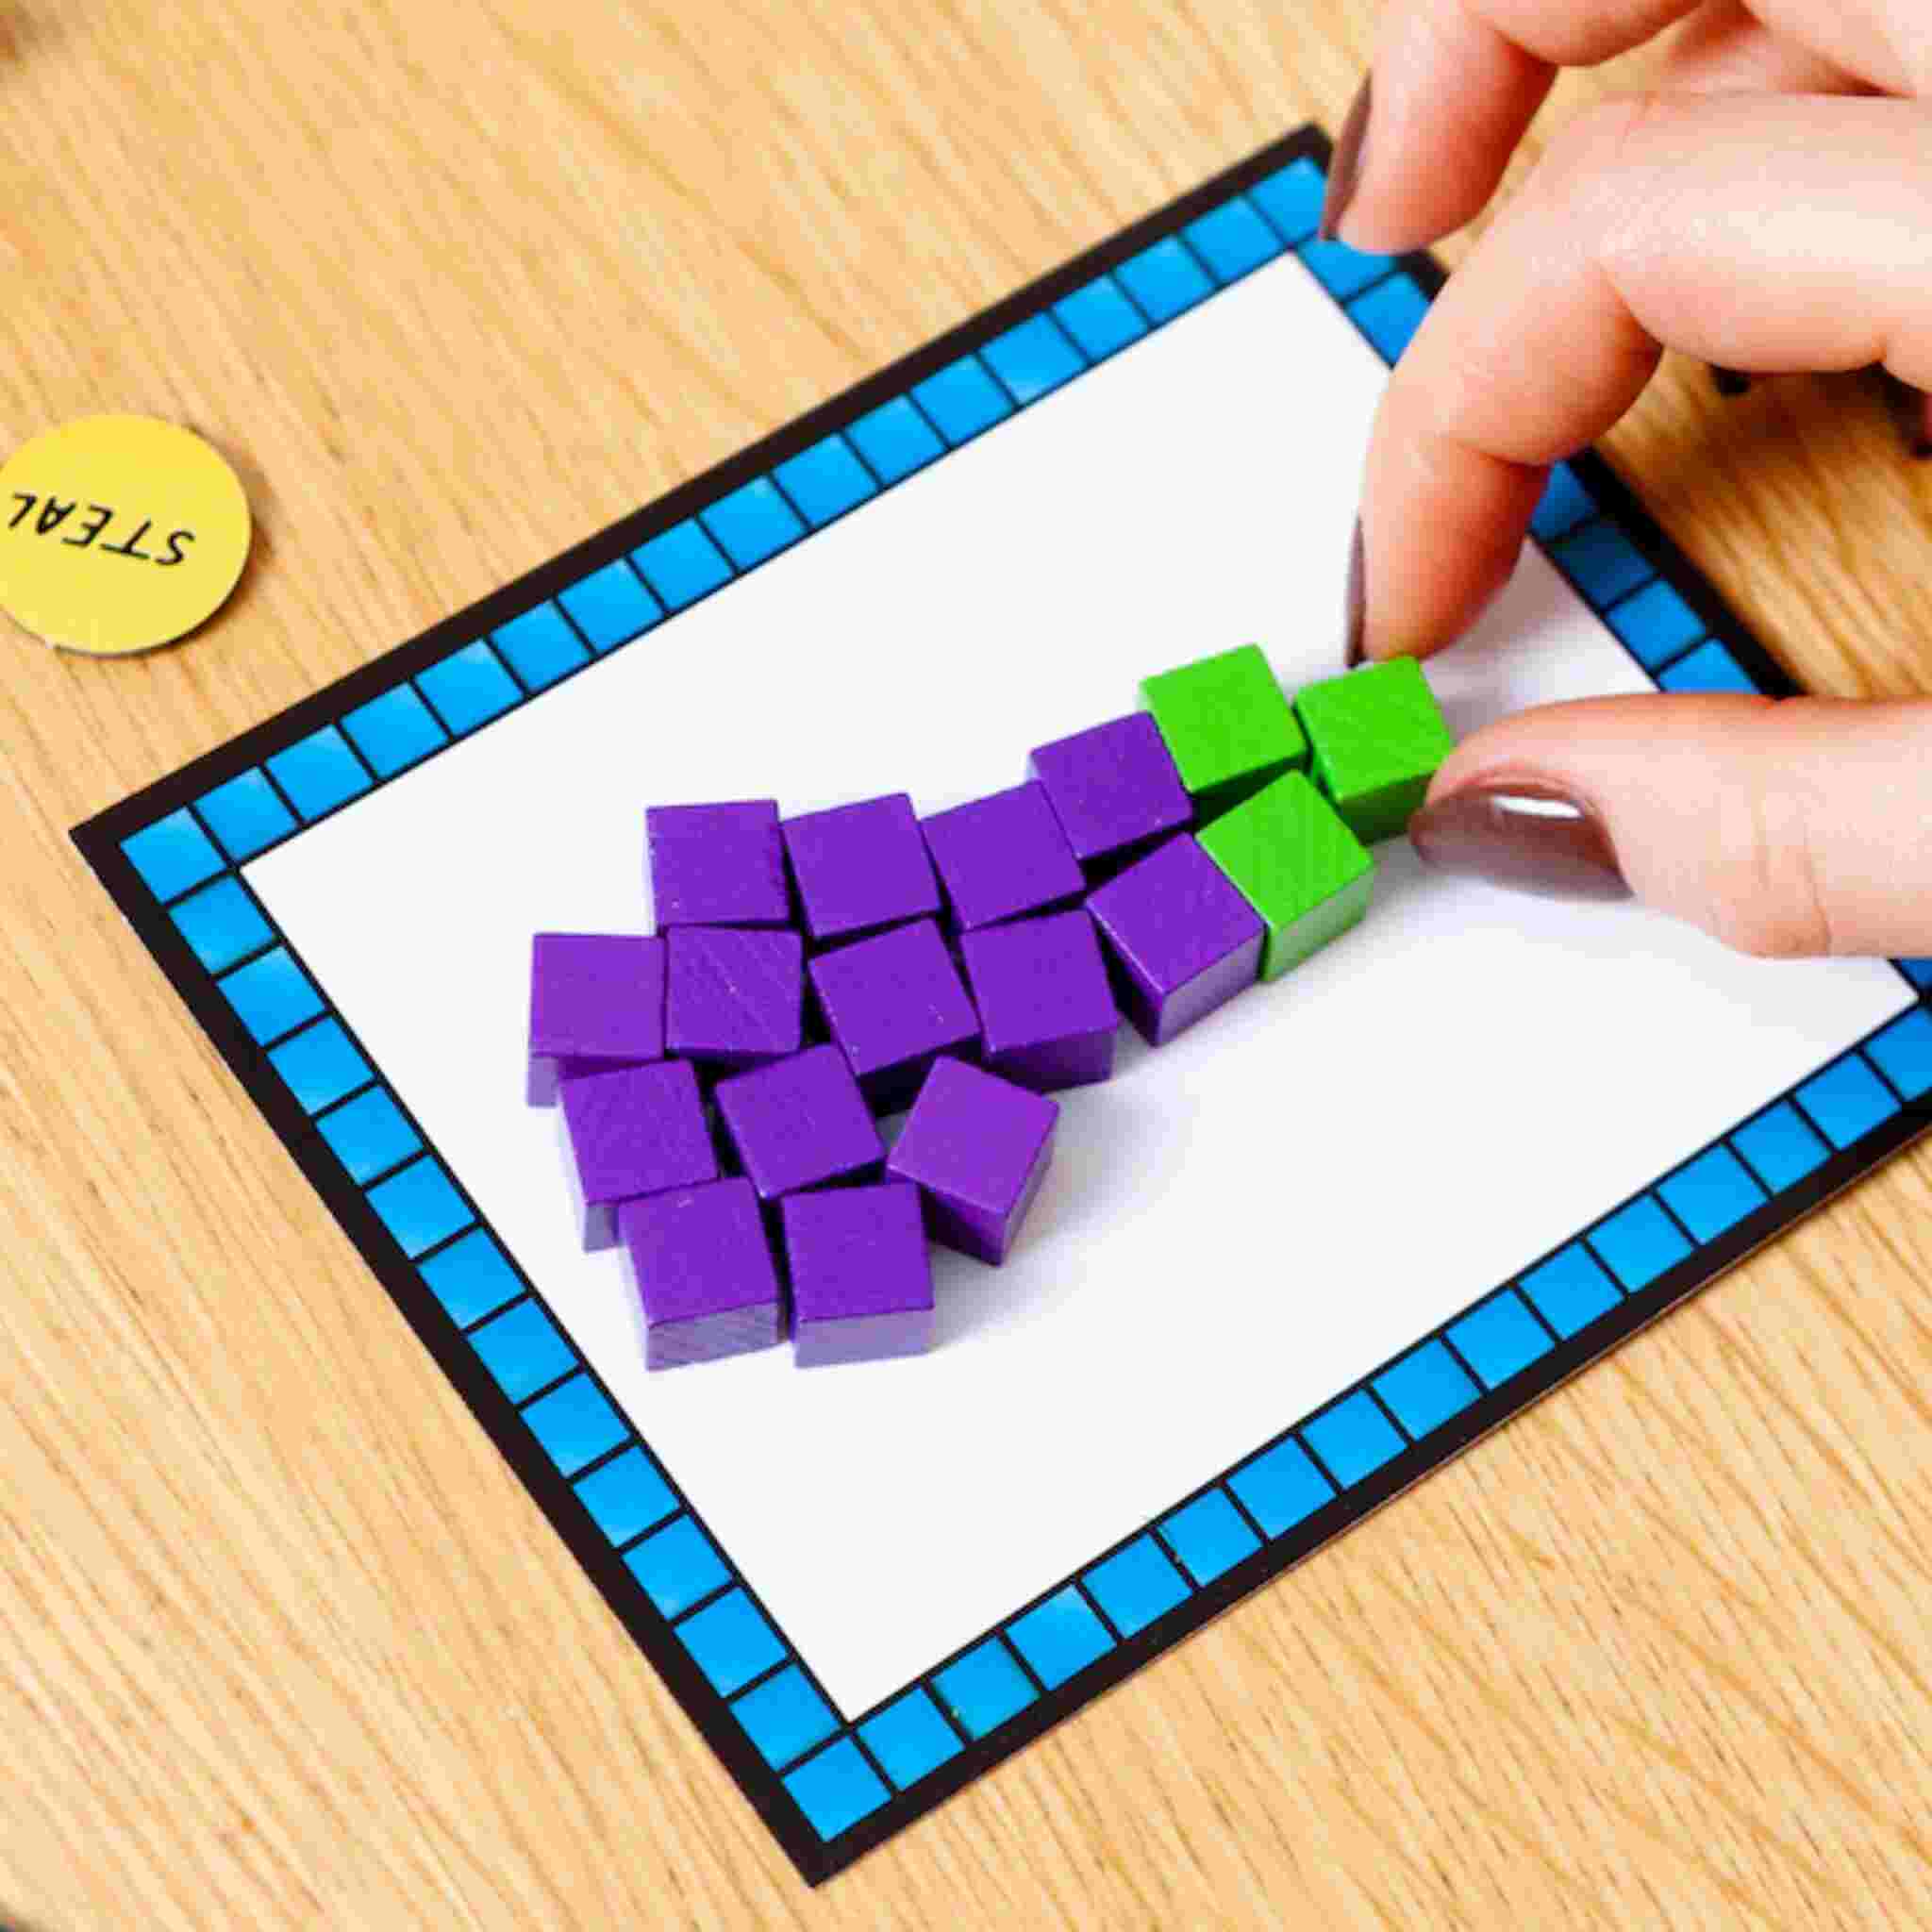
<point>282,1643</point>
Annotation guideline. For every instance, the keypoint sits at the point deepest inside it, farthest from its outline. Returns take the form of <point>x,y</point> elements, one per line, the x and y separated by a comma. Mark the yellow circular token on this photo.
<point>119,533</point>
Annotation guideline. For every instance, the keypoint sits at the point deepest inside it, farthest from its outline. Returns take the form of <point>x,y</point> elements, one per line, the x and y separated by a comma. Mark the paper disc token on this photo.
<point>119,533</point>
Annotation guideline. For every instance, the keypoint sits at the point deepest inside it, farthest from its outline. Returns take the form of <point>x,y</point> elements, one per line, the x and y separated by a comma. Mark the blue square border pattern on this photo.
<point>832,1789</point>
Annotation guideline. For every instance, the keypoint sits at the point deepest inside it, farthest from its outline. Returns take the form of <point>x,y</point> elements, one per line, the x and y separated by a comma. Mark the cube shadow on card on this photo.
<point>703,1273</point>
<point>717,864</point>
<point>1295,862</point>
<point>1182,937</point>
<point>977,1148</point>
<point>596,1003</point>
<point>861,1278</point>
<point>892,1003</point>
<point>640,1130</point>
<point>1046,1011</point>
<point>734,998</point>
<point>1115,789</point>
<point>800,1122</point>
<point>860,867</point>
<point>1003,857</point>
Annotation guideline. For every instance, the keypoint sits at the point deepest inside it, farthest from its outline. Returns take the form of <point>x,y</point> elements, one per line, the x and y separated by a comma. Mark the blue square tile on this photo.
<point>1059,1638</point>
<point>627,1495</point>
<point>246,815</point>
<point>1034,358</point>
<point>320,1065</point>
<point>1711,1193</point>
<point>911,1738</point>
<point>1781,1146</point>
<point>470,1277</point>
<point>1099,318</point>
<point>785,1717</point>
<point>220,924</point>
<point>524,1350</point>
<point>1639,1242</point>
<point>896,439</point>
<point>1847,1101</point>
<point>1571,1290</point>
<point>1164,280</point>
<point>1281,1487</point>
<point>826,481</point>
<point>1500,1339</point>
<point>984,1687</point>
<point>962,399</point>
<point>1564,504</point>
<point>172,853</point>
<point>1389,314</point>
<point>469,687</point>
<point>1425,1388</point>
<point>836,1788</point>
<point>1354,1438</point>
<point>1918,971</point>
<point>1232,239</point>
<point>1602,562</point>
<point>271,995</point>
<point>1136,1585</point>
<point>1344,272</point>
<point>540,646</point>
<point>681,565</point>
<point>730,1642</point>
<point>420,1206</point>
<point>610,606</point>
<point>754,522</point>
<point>678,1566</point>
<point>1710,667</point>
<point>1291,200</point>
<point>394,731</point>
<point>319,773</point>
<point>369,1134</point>
<point>1656,623</point>
<point>576,1423</point>
<point>1904,1054</point>
<point>1209,1535</point>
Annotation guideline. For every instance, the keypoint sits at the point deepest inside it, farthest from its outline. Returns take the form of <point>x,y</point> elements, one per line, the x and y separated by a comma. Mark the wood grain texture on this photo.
<point>282,1644</point>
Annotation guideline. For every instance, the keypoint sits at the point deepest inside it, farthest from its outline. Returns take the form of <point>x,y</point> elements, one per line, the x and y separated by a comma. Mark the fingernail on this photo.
<point>1354,605</point>
<point>1346,165</point>
<point>1729,382</point>
<point>1530,837</point>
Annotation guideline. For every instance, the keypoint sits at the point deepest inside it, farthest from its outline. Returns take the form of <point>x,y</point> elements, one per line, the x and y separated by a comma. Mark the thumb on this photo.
<point>1784,828</point>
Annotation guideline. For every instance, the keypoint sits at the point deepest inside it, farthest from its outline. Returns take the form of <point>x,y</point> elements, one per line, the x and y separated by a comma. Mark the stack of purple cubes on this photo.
<point>722,1084</point>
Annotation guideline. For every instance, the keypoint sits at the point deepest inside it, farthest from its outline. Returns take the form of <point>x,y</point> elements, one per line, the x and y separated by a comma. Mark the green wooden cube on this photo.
<point>1228,724</point>
<point>1294,860</point>
<point>1378,736</point>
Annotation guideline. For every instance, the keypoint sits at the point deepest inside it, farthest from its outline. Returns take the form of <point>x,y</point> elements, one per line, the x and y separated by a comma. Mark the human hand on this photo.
<point>1770,211</point>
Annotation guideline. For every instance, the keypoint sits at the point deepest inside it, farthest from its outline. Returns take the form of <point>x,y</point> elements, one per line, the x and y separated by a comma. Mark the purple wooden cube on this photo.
<point>703,1269</point>
<point>1184,940</point>
<point>596,1003</point>
<point>641,1130</point>
<point>800,1122</point>
<point>893,1003</point>
<point>1114,789</point>
<point>861,1278</point>
<point>733,998</point>
<point>717,864</point>
<point>1046,1014</point>
<point>861,867</point>
<point>977,1148</point>
<point>1003,857</point>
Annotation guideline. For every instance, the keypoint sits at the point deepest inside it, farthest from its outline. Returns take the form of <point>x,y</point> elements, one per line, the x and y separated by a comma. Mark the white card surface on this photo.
<point>1239,1226</point>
